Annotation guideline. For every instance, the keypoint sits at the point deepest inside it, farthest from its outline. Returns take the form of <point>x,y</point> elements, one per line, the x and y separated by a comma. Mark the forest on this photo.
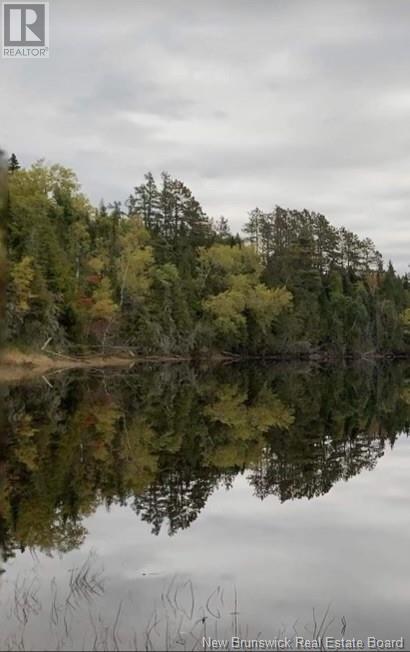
<point>156,274</point>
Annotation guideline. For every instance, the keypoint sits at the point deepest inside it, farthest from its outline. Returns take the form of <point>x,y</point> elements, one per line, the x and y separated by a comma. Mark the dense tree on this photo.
<point>344,301</point>
<point>163,277</point>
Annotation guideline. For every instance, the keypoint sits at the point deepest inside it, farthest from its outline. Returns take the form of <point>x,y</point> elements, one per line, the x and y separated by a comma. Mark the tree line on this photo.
<point>159,275</point>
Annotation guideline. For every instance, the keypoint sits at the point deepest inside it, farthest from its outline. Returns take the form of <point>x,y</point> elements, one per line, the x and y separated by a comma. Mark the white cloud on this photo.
<point>269,102</point>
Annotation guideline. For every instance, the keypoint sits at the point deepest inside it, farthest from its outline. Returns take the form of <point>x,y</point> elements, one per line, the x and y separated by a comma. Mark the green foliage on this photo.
<point>135,262</point>
<point>405,319</point>
<point>22,276</point>
<point>163,277</point>
<point>245,305</point>
<point>344,302</point>
<point>13,163</point>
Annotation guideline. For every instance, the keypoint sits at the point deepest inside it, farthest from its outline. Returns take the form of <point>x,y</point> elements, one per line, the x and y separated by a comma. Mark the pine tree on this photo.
<point>167,278</point>
<point>14,165</point>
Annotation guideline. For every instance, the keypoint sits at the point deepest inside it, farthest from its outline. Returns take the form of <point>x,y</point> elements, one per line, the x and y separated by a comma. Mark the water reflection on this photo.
<point>163,439</point>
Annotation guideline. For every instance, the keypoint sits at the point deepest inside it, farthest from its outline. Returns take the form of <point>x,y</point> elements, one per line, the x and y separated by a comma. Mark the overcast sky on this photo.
<point>302,104</point>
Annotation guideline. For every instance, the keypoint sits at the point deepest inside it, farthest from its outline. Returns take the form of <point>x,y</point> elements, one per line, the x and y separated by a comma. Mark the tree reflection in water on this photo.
<point>163,438</point>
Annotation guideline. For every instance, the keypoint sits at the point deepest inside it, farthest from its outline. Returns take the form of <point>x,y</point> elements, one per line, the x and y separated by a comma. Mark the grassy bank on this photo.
<point>18,365</point>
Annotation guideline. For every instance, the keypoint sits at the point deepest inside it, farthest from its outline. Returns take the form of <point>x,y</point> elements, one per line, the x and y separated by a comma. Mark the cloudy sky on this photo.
<point>302,104</point>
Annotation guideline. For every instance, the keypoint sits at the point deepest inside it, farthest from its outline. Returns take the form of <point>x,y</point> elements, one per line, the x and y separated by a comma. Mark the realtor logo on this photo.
<point>25,30</point>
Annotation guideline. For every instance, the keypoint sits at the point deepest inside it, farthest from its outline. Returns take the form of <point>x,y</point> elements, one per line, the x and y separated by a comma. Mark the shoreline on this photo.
<point>17,366</point>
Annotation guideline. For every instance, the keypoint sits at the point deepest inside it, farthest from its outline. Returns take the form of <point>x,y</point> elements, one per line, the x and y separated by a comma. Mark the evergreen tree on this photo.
<point>13,163</point>
<point>164,277</point>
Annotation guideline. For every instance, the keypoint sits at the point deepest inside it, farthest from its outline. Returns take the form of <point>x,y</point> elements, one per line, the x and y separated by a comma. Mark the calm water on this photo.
<point>146,508</point>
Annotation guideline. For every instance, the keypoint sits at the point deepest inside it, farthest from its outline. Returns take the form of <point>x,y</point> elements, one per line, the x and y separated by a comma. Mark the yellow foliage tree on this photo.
<point>136,262</point>
<point>22,275</point>
<point>405,320</point>
<point>238,270</point>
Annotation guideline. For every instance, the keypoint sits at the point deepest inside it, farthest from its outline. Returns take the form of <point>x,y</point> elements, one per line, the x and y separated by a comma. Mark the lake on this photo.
<point>150,507</point>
